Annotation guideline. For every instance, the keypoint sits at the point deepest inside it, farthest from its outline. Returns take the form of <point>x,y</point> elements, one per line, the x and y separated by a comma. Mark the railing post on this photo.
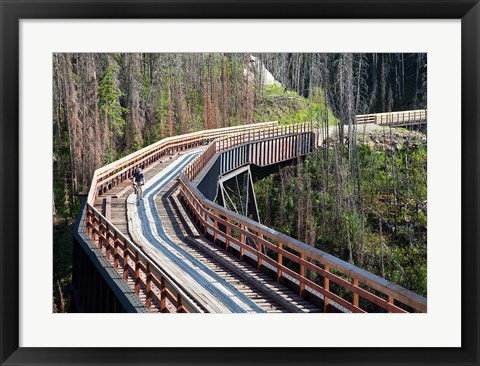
<point>280,263</point>
<point>302,275</point>
<point>205,223</point>
<point>163,295</point>
<point>242,240</point>
<point>115,250</point>
<point>260,250</point>
<point>179,304</point>
<point>92,228</point>
<point>228,233</point>
<point>148,299</point>
<point>390,301</point>
<point>215,226</point>
<point>137,273</point>
<point>107,244</point>
<point>101,235</point>
<point>95,233</point>
<point>88,222</point>
<point>355,295</point>
<point>326,286</point>
<point>125,260</point>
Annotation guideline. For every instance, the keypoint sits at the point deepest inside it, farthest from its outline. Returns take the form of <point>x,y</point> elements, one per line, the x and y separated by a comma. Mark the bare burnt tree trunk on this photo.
<point>73,122</point>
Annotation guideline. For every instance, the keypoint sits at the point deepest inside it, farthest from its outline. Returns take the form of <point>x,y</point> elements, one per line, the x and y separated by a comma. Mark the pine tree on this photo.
<point>112,111</point>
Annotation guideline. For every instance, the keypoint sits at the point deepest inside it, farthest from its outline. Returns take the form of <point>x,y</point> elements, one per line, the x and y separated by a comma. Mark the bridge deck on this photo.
<point>257,286</point>
<point>163,250</point>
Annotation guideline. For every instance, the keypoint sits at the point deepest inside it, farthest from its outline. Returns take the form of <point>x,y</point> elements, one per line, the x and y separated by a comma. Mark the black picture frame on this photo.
<point>12,11</point>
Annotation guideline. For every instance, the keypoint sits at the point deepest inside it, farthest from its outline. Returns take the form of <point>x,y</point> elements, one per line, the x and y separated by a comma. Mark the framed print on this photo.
<point>246,164</point>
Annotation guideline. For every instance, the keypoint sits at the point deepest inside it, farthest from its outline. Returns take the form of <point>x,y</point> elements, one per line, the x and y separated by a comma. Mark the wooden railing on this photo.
<point>112,174</point>
<point>192,170</point>
<point>230,141</point>
<point>317,270</point>
<point>126,257</point>
<point>324,268</point>
<point>394,118</point>
<point>160,291</point>
<point>236,139</point>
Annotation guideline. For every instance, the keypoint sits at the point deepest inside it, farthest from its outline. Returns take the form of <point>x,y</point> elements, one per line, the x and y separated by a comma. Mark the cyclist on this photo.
<point>138,181</point>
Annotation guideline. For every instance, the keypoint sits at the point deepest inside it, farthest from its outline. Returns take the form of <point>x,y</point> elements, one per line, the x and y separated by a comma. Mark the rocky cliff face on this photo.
<point>256,70</point>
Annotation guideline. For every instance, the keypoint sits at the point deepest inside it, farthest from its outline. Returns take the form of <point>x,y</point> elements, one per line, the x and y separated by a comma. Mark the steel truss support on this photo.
<point>235,192</point>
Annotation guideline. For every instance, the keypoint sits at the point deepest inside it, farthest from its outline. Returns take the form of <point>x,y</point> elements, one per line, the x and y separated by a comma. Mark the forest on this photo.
<point>362,198</point>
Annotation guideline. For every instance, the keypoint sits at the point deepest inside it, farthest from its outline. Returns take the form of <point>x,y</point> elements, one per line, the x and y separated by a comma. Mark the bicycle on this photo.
<point>138,190</point>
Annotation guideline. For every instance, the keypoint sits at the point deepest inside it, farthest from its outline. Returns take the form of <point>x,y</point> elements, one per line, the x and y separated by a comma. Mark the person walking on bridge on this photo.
<point>138,182</point>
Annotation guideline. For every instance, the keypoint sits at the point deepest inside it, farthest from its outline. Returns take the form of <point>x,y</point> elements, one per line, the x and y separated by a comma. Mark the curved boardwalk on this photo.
<point>216,280</point>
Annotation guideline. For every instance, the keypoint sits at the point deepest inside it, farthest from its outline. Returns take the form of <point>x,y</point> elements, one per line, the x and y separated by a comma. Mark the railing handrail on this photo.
<point>413,115</point>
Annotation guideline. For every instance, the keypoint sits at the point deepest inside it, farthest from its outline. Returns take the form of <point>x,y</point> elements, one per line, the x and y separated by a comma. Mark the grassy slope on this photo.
<point>278,104</point>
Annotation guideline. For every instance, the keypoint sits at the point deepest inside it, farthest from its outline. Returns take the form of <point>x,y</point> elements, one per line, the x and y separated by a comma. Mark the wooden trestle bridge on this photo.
<point>179,251</point>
